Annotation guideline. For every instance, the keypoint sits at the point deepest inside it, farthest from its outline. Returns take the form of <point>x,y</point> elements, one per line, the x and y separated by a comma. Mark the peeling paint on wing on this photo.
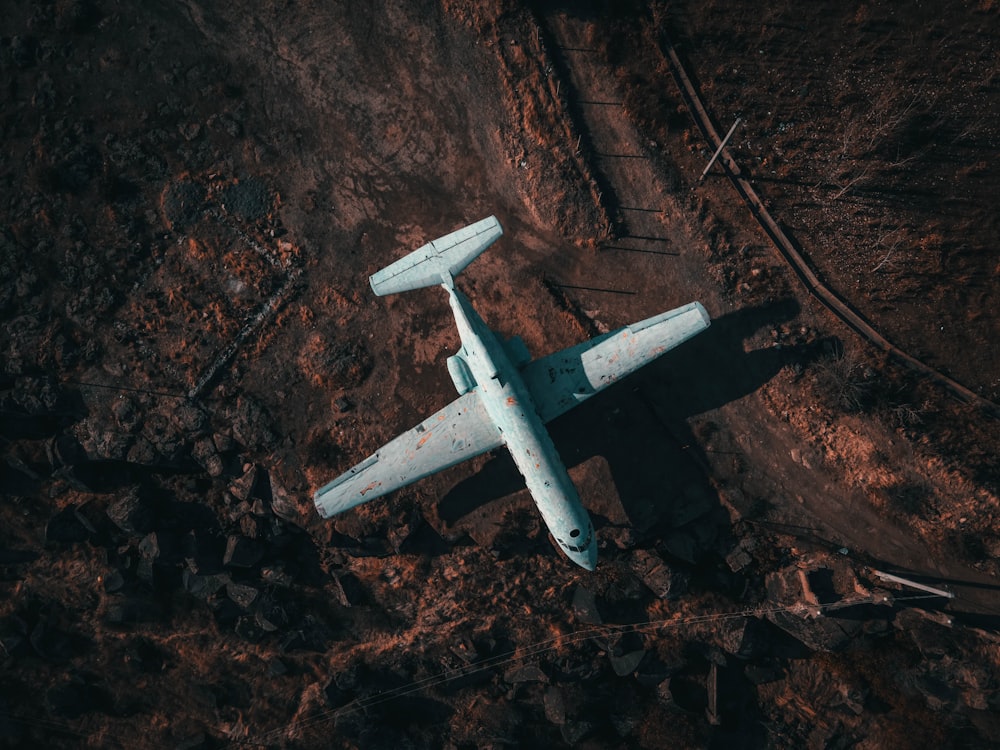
<point>370,487</point>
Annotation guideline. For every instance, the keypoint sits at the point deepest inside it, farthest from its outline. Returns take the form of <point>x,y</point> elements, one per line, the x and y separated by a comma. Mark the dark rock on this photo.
<point>738,559</point>
<point>343,404</point>
<point>126,414</point>
<point>131,513</point>
<point>261,508</point>
<point>620,537</point>
<point>243,487</point>
<point>276,668</point>
<point>204,586</point>
<point>225,611</point>
<point>114,582</point>
<point>271,615</point>
<point>555,706</point>
<point>132,611</point>
<point>68,526</point>
<point>242,552</point>
<point>525,673</point>
<point>658,577</point>
<point>65,450</point>
<point>745,638</point>
<point>159,546</point>
<point>188,418</point>
<point>243,594</point>
<point>276,575</point>
<point>575,731</point>
<point>804,619</point>
<point>627,663</point>
<point>237,511</point>
<point>252,425</point>
<point>208,458</point>
<point>143,452</point>
<point>223,443</point>
<point>585,606</point>
<point>247,628</point>
<point>931,632</point>
<point>251,527</point>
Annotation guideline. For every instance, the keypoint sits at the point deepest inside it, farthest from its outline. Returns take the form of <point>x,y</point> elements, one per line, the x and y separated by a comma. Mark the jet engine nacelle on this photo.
<point>461,375</point>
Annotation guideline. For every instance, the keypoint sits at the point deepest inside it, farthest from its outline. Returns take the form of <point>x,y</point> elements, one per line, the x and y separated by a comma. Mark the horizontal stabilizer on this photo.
<point>437,262</point>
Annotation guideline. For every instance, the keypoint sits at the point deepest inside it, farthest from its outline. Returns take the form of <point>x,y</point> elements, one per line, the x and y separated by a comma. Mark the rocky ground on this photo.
<point>191,200</point>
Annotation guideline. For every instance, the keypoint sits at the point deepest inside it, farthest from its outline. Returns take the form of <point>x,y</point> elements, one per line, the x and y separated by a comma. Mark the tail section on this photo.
<point>437,262</point>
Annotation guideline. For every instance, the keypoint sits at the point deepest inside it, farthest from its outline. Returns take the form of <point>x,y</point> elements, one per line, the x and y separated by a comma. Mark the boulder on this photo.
<point>664,581</point>
<point>242,552</point>
<point>68,526</point>
<point>131,513</point>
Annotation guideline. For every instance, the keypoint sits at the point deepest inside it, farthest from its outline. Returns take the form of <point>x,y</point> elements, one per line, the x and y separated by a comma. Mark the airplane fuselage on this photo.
<point>509,404</point>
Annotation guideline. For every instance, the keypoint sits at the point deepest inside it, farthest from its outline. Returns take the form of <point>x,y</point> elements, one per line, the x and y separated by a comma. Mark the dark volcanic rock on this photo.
<point>244,595</point>
<point>204,586</point>
<point>804,619</point>
<point>660,578</point>
<point>131,513</point>
<point>68,526</point>
<point>241,488</point>
<point>626,663</point>
<point>252,426</point>
<point>585,606</point>
<point>525,673</point>
<point>575,731</point>
<point>554,705</point>
<point>242,552</point>
<point>205,453</point>
<point>188,418</point>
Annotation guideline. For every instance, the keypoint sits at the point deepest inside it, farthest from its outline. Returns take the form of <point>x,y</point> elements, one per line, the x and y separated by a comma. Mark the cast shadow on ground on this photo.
<point>639,426</point>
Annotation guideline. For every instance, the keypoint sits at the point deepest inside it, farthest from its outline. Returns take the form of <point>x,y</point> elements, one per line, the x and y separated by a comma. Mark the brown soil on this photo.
<point>193,195</point>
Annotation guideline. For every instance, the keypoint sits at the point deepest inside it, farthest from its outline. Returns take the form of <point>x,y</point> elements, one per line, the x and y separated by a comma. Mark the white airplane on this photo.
<point>505,398</point>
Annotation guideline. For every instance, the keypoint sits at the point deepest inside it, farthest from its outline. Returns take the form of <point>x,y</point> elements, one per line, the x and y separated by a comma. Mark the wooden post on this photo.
<point>712,712</point>
<point>719,149</point>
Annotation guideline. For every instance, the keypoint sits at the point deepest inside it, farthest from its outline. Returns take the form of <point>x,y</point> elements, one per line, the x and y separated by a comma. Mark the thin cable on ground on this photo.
<point>541,647</point>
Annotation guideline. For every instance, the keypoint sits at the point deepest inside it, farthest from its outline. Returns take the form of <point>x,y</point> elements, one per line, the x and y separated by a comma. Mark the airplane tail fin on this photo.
<point>437,262</point>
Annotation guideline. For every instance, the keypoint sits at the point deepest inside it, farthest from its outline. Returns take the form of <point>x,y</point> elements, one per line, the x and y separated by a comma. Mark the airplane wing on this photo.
<point>562,380</point>
<point>458,432</point>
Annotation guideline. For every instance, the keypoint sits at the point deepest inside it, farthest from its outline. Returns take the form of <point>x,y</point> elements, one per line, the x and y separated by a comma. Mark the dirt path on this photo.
<point>811,495</point>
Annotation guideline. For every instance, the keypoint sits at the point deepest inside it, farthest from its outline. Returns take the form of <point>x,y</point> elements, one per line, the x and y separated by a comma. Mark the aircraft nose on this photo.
<point>588,560</point>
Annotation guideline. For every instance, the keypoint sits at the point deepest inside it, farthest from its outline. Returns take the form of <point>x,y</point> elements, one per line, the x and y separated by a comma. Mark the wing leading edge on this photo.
<point>562,380</point>
<point>456,433</point>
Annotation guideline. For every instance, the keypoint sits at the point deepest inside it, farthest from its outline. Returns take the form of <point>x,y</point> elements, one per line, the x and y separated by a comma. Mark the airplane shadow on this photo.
<point>639,426</point>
